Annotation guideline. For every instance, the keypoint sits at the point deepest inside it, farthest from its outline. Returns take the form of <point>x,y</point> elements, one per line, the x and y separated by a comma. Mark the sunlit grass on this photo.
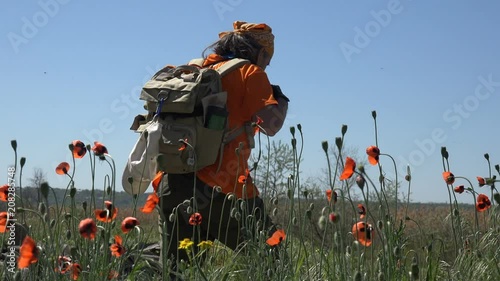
<point>355,227</point>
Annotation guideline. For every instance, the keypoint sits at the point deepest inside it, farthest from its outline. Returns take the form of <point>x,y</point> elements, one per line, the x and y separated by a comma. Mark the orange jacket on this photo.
<point>248,91</point>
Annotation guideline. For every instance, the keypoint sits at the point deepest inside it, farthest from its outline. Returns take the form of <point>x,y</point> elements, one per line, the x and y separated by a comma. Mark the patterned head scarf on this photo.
<point>261,32</point>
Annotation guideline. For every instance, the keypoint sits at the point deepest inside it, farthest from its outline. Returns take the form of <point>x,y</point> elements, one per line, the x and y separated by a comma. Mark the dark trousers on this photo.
<point>225,218</point>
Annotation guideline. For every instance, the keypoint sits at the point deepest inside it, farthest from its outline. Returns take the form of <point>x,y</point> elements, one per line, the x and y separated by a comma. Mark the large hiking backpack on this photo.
<point>189,104</point>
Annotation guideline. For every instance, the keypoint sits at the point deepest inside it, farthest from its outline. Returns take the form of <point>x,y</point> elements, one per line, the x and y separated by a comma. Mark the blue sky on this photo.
<point>73,69</point>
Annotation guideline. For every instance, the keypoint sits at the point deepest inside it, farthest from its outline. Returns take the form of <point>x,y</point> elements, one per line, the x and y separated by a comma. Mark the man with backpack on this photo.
<point>221,194</point>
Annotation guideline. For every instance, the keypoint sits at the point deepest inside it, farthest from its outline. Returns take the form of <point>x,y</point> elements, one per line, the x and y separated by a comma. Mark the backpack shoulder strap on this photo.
<point>197,62</point>
<point>231,65</point>
<point>227,67</point>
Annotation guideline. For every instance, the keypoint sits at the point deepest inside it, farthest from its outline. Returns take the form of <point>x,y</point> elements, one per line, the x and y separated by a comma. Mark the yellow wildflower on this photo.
<point>185,244</point>
<point>205,245</point>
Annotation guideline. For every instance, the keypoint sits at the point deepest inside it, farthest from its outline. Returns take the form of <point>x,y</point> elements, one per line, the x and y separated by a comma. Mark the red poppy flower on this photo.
<point>481,181</point>
<point>87,228</point>
<point>448,177</point>
<point>195,219</point>
<point>62,168</point>
<point>3,221</point>
<point>76,269</point>
<point>373,154</point>
<point>157,180</point>
<point>4,193</point>
<point>28,253</point>
<point>107,214</point>
<point>361,211</point>
<point>483,203</point>
<point>151,203</point>
<point>459,189</point>
<point>348,169</point>
<point>63,264</point>
<point>363,233</point>
<point>129,223</point>
<point>78,149</point>
<point>99,149</point>
<point>333,217</point>
<point>331,194</point>
<point>278,236</point>
<point>117,248</point>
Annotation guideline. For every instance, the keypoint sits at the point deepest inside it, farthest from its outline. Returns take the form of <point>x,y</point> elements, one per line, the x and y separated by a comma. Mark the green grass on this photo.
<point>409,241</point>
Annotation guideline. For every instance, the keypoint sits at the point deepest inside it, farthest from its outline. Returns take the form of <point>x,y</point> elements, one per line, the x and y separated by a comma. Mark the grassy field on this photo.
<point>328,233</point>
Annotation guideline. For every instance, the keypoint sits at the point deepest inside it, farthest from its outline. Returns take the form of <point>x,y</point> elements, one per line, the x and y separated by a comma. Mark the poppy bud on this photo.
<point>322,222</point>
<point>361,169</point>
<point>305,193</point>
<point>243,205</point>
<point>294,143</point>
<point>237,216</point>
<point>374,114</point>
<point>311,206</point>
<point>67,216</point>
<point>456,213</point>
<point>348,250</point>
<point>338,143</point>
<point>42,208</point>
<point>381,178</point>
<point>275,212</point>
<point>497,167</point>
<point>289,193</point>
<point>22,161</point>
<point>218,189</point>
<point>108,190</point>
<point>72,192</point>
<point>381,276</point>
<point>84,205</point>
<point>496,197</point>
<point>189,210</point>
<point>308,214</point>
<point>44,189</point>
<point>444,152</point>
<point>397,252</point>
<point>52,223</point>
<point>324,145</point>
<point>360,181</point>
<point>292,131</point>
<point>294,221</point>
<point>299,127</point>
<point>487,156</point>
<point>380,224</point>
<point>274,201</point>
<point>324,211</point>
<point>68,234</point>
<point>414,272</point>
<point>408,178</point>
<point>13,143</point>
<point>171,217</point>
<point>343,130</point>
